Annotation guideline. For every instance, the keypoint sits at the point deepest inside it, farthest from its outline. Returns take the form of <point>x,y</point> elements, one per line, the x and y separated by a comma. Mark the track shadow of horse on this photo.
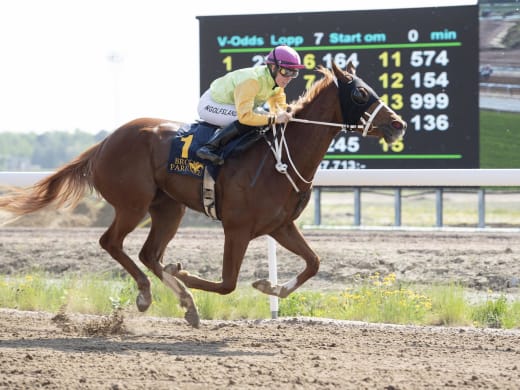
<point>103,345</point>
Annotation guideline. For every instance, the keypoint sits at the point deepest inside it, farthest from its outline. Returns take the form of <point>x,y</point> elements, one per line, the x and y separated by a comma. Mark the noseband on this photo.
<point>368,123</point>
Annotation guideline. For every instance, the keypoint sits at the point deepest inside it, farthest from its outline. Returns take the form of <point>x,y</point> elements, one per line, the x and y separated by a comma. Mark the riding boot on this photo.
<point>211,150</point>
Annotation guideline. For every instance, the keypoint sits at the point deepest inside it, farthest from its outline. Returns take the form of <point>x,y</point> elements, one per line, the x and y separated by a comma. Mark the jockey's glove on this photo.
<point>283,117</point>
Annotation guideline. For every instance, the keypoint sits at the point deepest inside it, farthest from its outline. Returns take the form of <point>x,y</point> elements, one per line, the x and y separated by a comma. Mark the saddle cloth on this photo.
<point>183,158</point>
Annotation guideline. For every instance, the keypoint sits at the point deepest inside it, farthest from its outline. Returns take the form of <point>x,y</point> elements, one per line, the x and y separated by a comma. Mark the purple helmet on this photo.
<point>285,57</point>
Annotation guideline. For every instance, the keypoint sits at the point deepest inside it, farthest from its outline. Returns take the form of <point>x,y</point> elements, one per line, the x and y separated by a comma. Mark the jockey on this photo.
<point>233,99</point>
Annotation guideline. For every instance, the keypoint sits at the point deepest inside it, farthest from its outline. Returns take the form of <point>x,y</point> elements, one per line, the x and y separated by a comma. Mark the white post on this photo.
<point>273,274</point>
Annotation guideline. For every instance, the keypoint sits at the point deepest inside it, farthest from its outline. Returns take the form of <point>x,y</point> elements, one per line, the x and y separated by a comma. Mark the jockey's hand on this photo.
<point>283,117</point>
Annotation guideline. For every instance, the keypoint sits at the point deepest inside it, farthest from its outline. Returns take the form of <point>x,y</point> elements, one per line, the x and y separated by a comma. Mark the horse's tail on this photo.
<point>64,188</point>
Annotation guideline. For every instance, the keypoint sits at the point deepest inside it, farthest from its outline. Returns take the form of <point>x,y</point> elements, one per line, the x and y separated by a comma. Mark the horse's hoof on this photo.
<point>282,292</point>
<point>143,302</point>
<point>263,285</point>
<point>266,287</point>
<point>192,316</point>
<point>172,269</point>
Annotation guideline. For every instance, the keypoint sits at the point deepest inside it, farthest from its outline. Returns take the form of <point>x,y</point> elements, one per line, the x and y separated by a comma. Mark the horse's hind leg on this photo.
<point>166,215</point>
<point>291,238</point>
<point>235,246</point>
<point>112,241</point>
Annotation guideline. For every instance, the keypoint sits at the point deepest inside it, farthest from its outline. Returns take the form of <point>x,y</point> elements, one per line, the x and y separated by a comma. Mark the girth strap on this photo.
<point>208,195</point>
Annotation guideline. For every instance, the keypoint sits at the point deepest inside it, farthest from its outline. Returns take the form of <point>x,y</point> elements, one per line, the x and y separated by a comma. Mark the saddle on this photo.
<point>183,158</point>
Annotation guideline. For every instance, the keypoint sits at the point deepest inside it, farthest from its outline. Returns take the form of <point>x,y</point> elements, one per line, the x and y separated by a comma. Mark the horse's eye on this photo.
<point>360,95</point>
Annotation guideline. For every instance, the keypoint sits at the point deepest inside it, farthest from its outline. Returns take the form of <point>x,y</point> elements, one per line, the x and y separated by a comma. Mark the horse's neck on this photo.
<point>308,143</point>
<point>324,107</point>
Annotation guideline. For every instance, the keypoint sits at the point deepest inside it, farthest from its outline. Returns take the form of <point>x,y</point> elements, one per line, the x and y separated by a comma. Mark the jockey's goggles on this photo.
<point>286,72</point>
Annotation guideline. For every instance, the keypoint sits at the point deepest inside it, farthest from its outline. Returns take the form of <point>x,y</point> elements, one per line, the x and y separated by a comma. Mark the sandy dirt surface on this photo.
<point>45,350</point>
<point>290,353</point>
<point>479,260</point>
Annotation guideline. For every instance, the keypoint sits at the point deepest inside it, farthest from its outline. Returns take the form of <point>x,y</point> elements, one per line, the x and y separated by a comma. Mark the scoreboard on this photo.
<point>423,62</point>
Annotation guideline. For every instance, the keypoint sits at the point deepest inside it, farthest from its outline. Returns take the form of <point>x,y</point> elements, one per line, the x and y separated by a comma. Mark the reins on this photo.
<point>278,145</point>
<point>344,127</point>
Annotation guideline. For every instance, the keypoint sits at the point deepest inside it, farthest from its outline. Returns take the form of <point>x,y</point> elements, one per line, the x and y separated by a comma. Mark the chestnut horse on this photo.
<point>129,170</point>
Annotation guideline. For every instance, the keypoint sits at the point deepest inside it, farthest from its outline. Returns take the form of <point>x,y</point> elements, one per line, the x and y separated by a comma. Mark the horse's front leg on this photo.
<point>235,246</point>
<point>291,238</point>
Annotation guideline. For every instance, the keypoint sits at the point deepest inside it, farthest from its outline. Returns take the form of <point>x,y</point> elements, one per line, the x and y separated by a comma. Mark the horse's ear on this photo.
<point>351,68</point>
<point>337,71</point>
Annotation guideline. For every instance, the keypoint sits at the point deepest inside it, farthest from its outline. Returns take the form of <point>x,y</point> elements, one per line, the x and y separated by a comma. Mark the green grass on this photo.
<point>377,298</point>
<point>499,139</point>
<point>450,307</point>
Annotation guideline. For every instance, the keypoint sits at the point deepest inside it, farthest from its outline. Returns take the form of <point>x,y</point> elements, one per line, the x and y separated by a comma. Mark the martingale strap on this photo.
<point>277,147</point>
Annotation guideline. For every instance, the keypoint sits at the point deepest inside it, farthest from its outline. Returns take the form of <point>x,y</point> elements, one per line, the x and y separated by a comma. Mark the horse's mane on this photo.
<point>315,89</point>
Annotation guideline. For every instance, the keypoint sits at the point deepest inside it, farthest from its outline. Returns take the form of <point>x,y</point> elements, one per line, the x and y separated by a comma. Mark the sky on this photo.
<point>96,64</point>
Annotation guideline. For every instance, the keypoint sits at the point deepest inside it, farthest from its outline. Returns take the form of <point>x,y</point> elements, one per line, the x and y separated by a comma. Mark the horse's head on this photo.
<point>363,110</point>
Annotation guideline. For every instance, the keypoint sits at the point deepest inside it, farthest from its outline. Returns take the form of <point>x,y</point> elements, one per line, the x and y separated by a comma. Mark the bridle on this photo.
<point>366,126</point>
<point>357,114</point>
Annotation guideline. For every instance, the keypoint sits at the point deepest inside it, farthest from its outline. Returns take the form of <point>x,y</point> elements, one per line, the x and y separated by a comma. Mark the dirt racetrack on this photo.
<point>288,353</point>
<point>285,354</point>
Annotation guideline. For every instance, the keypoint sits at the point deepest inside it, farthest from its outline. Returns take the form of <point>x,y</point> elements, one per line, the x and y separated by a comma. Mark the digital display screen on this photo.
<point>423,62</point>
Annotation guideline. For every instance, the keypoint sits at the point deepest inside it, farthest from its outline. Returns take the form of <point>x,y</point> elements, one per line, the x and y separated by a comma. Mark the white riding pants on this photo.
<point>216,113</point>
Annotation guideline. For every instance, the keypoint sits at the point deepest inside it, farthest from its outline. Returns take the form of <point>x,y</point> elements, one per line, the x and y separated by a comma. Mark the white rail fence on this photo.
<point>388,178</point>
<point>21,179</point>
<point>362,177</point>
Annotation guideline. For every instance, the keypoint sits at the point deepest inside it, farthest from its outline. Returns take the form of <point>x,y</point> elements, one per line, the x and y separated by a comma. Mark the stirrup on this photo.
<point>206,154</point>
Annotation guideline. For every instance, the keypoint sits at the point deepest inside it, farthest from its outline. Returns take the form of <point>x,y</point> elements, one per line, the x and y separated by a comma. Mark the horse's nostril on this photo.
<point>397,125</point>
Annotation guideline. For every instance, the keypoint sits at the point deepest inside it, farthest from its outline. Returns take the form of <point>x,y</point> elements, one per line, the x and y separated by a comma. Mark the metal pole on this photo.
<point>397,207</point>
<point>273,274</point>
<point>357,206</point>
<point>482,208</point>
<point>439,207</point>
